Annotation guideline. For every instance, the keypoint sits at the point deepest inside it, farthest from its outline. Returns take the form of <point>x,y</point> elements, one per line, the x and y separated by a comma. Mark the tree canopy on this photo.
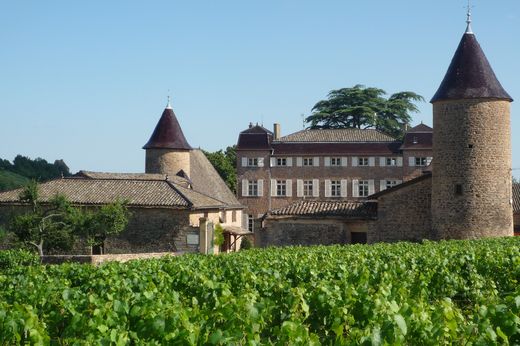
<point>225,163</point>
<point>363,108</point>
<point>57,224</point>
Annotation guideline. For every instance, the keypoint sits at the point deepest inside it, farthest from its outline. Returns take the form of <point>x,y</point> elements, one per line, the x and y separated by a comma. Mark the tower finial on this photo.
<point>168,106</point>
<point>468,19</point>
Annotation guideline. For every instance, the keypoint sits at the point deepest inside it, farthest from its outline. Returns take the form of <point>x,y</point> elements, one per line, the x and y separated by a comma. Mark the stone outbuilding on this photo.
<point>179,193</point>
<point>319,223</point>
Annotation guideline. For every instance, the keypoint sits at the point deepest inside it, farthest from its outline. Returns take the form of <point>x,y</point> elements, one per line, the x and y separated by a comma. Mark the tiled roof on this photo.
<point>167,134</point>
<point>351,209</point>
<point>420,128</point>
<point>383,148</point>
<point>88,191</point>
<point>470,75</point>
<point>337,135</point>
<point>516,197</point>
<point>418,140</point>
<point>134,176</point>
<point>206,180</point>
<point>256,129</point>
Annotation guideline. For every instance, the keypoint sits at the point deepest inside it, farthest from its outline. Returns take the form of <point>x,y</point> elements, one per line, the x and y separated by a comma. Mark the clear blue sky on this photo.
<point>87,81</point>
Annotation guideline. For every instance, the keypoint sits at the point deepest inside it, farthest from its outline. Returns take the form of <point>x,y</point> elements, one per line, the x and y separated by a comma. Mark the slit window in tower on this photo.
<point>458,189</point>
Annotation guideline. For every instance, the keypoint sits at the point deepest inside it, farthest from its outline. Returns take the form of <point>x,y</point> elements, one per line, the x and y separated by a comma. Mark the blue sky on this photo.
<point>87,81</point>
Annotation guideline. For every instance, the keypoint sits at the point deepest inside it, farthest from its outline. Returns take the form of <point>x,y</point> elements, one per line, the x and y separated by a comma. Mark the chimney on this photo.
<point>250,125</point>
<point>276,130</point>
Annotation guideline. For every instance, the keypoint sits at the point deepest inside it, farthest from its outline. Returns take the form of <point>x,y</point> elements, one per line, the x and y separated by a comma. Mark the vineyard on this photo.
<point>458,292</point>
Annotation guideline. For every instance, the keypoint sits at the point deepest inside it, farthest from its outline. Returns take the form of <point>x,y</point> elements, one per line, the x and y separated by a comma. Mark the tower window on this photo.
<point>458,189</point>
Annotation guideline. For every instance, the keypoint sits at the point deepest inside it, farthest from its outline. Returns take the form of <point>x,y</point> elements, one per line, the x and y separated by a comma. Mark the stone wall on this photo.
<point>98,259</point>
<point>148,230</point>
<point>154,230</point>
<point>471,196</point>
<point>405,213</point>
<point>307,231</point>
<point>167,161</point>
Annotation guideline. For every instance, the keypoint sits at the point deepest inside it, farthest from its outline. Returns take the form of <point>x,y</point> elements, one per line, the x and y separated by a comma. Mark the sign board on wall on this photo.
<point>192,239</point>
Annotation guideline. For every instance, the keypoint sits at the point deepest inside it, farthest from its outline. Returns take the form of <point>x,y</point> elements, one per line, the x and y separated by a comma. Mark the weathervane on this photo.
<point>468,19</point>
<point>168,105</point>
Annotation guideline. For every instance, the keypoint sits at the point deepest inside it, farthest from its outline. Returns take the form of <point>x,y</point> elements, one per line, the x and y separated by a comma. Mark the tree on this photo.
<point>45,228</point>
<point>225,164</point>
<point>361,107</point>
<point>96,226</point>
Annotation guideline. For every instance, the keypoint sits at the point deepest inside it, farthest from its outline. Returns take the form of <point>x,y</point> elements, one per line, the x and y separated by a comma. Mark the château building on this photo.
<point>337,164</point>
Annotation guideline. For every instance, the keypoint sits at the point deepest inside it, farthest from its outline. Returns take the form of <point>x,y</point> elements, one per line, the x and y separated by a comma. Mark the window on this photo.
<point>252,161</point>
<point>391,183</point>
<point>234,216</point>
<point>281,161</point>
<point>308,161</point>
<point>362,161</point>
<point>421,161</point>
<point>391,161</point>
<point>363,188</point>
<point>335,161</point>
<point>252,188</point>
<point>458,189</point>
<point>335,188</point>
<point>250,223</point>
<point>307,188</point>
<point>281,188</point>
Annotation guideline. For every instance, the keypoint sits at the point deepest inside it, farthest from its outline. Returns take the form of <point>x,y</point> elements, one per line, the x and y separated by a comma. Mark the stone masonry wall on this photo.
<point>472,149</point>
<point>167,161</point>
<point>148,230</point>
<point>405,214</point>
<point>154,230</point>
<point>302,231</point>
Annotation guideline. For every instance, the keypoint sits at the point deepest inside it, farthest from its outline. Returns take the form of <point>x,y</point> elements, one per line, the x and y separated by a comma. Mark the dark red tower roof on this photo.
<point>470,76</point>
<point>168,133</point>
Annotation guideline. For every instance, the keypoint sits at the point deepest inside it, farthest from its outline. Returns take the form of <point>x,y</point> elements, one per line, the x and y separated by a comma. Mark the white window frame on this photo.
<point>308,161</point>
<point>251,223</point>
<point>335,188</point>
<point>335,161</point>
<point>421,161</point>
<point>252,188</point>
<point>281,161</point>
<point>252,162</point>
<point>308,188</point>
<point>363,188</point>
<point>363,161</point>
<point>391,161</point>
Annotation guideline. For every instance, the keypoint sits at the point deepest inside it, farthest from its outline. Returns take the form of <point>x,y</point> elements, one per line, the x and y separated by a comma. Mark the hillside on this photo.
<point>10,180</point>
<point>22,169</point>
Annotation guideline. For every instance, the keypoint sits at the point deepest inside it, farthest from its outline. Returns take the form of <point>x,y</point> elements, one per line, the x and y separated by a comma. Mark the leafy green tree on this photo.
<point>245,244</point>
<point>44,227</point>
<point>218,235</point>
<point>225,164</point>
<point>365,107</point>
<point>97,225</point>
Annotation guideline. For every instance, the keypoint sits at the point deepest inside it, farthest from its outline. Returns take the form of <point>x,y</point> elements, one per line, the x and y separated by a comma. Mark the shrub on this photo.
<point>245,244</point>
<point>10,259</point>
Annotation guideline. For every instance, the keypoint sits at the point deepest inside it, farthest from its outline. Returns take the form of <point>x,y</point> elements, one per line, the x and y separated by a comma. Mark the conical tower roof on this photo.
<point>470,75</point>
<point>168,133</point>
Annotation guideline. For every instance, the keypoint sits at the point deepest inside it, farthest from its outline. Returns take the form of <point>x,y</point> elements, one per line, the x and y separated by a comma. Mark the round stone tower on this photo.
<point>471,186</point>
<point>167,151</point>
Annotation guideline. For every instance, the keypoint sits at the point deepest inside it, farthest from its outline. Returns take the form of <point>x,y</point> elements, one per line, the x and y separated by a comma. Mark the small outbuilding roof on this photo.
<point>349,209</point>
